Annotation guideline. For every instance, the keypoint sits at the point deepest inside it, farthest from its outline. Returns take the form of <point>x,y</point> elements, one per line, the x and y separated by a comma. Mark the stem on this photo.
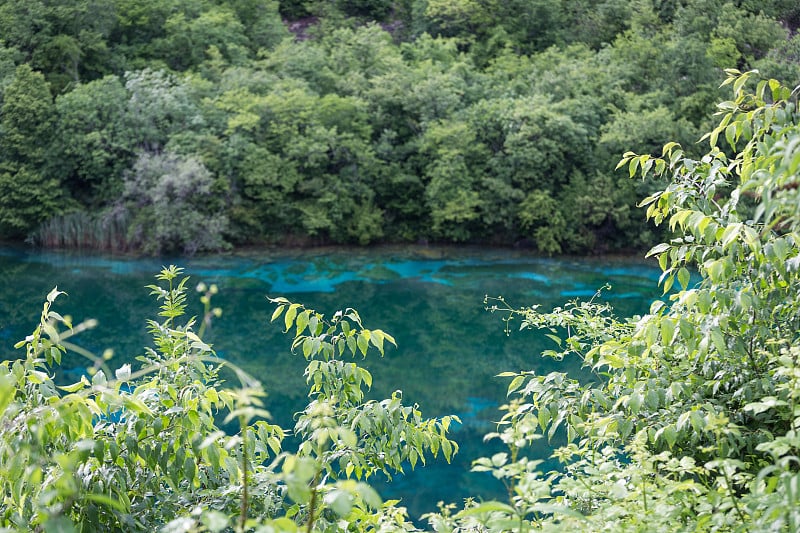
<point>312,506</point>
<point>243,510</point>
<point>644,492</point>
<point>752,348</point>
<point>168,301</point>
<point>739,512</point>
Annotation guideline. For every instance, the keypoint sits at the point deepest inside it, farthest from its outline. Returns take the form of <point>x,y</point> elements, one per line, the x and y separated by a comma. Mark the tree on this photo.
<point>28,196</point>
<point>92,146</point>
<point>159,105</point>
<point>189,37</point>
<point>262,22</point>
<point>451,194</point>
<point>65,41</point>
<point>174,206</point>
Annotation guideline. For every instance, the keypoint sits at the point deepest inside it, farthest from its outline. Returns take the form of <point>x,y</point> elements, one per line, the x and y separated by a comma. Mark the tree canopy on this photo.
<point>359,122</point>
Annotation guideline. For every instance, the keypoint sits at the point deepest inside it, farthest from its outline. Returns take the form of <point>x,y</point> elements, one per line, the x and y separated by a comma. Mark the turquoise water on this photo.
<point>449,348</point>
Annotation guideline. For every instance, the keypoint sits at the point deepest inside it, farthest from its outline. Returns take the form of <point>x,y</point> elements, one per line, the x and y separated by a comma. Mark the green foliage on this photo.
<point>358,121</point>
<point>27,194</point>
<point>93,145</point>
<point>26,118</point>
<point>144,449</point>
<point>173,205</point>
<point>66,41</point>
<point>782,62</point>
<point>262,22</point>
<point>216,27</point>
<point>369,9</point>
<point>159,106</point>
<point>686,418</point>
<point>541,217</point>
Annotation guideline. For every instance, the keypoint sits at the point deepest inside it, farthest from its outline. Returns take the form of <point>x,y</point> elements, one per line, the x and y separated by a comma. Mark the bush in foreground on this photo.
<point>691,422</point>
<point>144,450</point>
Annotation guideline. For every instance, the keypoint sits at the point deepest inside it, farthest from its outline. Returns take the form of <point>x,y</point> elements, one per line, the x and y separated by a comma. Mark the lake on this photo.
<point>430,299</point>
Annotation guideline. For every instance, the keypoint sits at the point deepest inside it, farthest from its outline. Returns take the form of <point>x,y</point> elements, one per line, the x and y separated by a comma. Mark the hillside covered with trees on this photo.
<point>184,126</point>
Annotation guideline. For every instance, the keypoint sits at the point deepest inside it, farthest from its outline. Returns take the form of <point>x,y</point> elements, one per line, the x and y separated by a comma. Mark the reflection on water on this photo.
<point>449,348</point>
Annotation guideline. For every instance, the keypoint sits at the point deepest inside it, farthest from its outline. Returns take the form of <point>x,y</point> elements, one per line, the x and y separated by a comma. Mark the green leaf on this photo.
<point>730,134</point>
<point>340,502</point>
<point>75,387</point>
<point>376,338</point>
<point>739,83</point>
<point>363,342</point>
<point>556,339</point>
<point>515,384</point>
<point>683,277</point>
<point>668,281</point>
<point>351,344</point>
<point>730,234</point>
<point>712,138</point>
<point>59,524</point>
<point>774,87</point>
<point>308,347</point>
<point>277,312</point>
<point>99,379</point>
<point>487,507</point>
<point>291,313</point>
<point>659,248</point>
<point>718,340</point>
<point>301,323</point>
<point>215,521</point>
<point>7,390</point>
<point>447,449</point>
<point>189,469</point>
<point>369,495</point>
<point>123,373</point>
<point>103,499</point>
<point>667,331</point>
<point>367,377</point>
<point>632,167</point>
<point>52,295</point>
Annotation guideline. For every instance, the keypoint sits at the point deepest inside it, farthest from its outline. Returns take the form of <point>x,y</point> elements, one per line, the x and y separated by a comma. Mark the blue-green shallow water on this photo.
<point>430,299</point>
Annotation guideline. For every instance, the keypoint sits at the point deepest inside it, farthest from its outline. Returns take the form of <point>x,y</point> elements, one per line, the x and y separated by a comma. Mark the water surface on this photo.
<point>431,300</point>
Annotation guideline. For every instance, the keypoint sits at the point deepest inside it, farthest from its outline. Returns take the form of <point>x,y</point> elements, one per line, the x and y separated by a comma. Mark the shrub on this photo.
<point>690,421</point>
<point>174,206</point>
<point>142,449</point>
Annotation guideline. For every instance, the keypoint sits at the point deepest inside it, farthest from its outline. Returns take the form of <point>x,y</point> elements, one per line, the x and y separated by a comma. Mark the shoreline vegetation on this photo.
<point>173,127</point>
<point>413,249</point>
<point>121,247</point>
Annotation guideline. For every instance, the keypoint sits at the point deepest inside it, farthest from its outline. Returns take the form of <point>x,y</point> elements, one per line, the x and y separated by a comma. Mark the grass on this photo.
<point>106,231</point>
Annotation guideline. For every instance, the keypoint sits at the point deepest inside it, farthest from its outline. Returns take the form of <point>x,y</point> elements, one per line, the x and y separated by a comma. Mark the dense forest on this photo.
<point>196,125</point>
